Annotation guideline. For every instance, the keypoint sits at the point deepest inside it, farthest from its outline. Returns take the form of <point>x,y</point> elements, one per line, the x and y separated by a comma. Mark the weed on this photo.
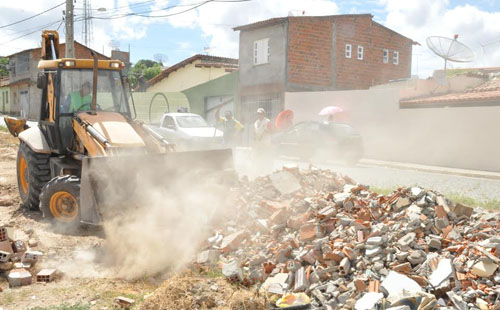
<point>381,190</point>
<point>64,307</point>
<point>491,204</point>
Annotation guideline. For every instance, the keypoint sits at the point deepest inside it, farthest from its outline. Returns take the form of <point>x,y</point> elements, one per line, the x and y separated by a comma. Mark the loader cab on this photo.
<point>67,91</point>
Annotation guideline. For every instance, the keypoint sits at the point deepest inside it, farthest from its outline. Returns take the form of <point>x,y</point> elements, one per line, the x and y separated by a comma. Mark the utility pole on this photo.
<point>70,43</point>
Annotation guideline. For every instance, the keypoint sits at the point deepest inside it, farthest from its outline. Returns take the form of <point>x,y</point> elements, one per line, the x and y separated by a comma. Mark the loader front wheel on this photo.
<point>33,172</point>
<point>60,200</point>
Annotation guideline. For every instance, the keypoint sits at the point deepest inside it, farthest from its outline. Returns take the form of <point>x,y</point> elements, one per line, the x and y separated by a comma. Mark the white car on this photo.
<point>189,131</point>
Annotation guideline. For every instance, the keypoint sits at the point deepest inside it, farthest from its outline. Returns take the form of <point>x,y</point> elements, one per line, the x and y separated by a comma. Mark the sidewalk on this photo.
<point>434,169</point>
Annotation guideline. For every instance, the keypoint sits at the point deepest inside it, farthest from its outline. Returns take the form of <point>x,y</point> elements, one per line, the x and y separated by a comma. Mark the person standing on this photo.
<point>262,149</point>
<point>231,127</point>
<point>262,130</point>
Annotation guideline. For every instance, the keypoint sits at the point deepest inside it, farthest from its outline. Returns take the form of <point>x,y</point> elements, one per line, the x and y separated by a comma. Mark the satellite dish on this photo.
<point>207,50</point>
<point>450,49</point>
<point>161,58</point>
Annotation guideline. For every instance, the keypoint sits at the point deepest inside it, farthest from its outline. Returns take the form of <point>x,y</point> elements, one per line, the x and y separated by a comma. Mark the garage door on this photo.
<point>214,102</point>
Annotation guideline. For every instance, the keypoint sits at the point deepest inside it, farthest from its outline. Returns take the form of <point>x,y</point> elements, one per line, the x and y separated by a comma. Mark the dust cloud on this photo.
<point>156,212</point>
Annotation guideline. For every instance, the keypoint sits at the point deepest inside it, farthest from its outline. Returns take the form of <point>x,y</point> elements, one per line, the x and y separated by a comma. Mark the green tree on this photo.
<point>4,61</point>
<point>146,68</point>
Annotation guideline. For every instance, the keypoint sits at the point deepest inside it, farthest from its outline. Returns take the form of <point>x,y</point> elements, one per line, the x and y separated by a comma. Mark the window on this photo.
<point>191,121</point>
<point>348,50</point>
<point>168,122</point>
<point>395,57</point>
<point>360,52</point>
<point>261,51</point>
<point>77,83</point>
<point>386,56</point>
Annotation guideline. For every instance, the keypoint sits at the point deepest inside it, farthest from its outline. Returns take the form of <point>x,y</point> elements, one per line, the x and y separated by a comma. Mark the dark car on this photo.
<point>327,141</point>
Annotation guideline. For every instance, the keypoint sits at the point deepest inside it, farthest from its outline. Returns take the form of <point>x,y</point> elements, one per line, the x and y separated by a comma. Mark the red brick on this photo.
<point>374,286</point>
<point>308,232</point>
<point>360,285</point>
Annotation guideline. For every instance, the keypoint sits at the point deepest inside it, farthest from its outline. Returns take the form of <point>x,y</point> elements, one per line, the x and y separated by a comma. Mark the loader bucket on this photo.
<point>112,185</point>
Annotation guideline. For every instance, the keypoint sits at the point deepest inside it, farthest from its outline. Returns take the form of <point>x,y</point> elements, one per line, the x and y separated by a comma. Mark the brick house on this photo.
<point>25,97</point>
<point>316,53</point>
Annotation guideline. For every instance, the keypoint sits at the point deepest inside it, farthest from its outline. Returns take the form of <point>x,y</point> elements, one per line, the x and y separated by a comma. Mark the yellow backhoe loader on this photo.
<point>86,139</point>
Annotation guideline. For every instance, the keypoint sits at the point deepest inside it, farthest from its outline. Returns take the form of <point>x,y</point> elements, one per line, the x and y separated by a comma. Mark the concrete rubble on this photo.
<point>124,302</point>
<point>18,261</point>
<point>346,247</point>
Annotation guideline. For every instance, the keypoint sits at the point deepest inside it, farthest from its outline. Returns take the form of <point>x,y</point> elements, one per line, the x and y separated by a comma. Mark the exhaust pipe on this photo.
<point>93,106</point>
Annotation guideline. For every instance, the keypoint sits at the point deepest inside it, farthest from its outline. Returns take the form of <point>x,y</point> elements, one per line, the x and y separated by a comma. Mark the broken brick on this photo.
<point>232,241</point>
<point>374,286</point>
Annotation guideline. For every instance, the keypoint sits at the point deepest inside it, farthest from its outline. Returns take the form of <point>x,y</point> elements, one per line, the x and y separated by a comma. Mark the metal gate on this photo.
<point>272,103</point>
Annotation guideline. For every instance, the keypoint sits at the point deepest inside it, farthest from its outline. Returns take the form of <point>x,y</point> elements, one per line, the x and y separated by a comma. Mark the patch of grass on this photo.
<point>381,190</point>
<point>3,129</point>
<point>64,307</point>
<point>212,273</point>
<point>492,204</point>
<point>7,297</point>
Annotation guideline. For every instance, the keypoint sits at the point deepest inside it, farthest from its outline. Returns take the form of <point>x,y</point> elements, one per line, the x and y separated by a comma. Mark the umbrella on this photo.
<point>330,110</point>
<point>284,119</point>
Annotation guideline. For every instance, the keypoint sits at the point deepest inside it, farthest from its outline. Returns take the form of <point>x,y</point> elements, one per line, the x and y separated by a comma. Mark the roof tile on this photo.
<point>486,92</point>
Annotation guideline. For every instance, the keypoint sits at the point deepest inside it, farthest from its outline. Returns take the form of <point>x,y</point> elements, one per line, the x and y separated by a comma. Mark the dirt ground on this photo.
<point>82,279</point>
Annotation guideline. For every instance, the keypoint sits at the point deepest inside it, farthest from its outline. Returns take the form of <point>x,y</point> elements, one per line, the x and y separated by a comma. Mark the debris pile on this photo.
<point>346,247</point>
<point>17,261</point>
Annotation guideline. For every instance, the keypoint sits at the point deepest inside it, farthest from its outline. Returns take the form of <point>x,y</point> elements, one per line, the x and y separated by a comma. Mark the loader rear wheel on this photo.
<point>33,171</point>
<point>60,200</point>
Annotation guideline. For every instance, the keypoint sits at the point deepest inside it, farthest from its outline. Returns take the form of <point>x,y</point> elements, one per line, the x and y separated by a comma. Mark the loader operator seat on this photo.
<point>78,100</point>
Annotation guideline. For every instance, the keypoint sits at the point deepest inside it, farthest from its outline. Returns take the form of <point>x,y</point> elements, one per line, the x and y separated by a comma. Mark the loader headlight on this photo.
<point>69,63</point>
<point>114,65</point>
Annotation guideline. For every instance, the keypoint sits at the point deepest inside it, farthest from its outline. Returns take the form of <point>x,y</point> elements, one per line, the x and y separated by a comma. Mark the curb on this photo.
<point>433,169</point>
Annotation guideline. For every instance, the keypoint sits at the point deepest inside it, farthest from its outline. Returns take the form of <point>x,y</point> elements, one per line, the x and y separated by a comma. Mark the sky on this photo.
<point>172,30</point>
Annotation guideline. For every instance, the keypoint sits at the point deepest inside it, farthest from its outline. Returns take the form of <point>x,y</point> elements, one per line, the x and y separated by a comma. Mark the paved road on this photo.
<point>384,177</point>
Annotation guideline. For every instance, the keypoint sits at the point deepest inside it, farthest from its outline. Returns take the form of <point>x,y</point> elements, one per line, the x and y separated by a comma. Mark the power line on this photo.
<point>197,6</point>
<point>36,29</point>
<point>138,4</point>
<point>30,29</point>
<point>150,11</point>
<point>141,14</point>
<point>33,16</point>
<point>27,34</point>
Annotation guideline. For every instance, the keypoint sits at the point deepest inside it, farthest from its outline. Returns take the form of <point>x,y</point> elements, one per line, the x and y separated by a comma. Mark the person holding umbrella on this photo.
<point>284,120</point>
<point>330,111</point>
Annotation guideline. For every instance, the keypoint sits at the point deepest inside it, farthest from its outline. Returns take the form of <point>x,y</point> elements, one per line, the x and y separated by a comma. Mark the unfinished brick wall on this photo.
<point>309,50</point>
<point>352,73</point>
<point>81,52</point>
